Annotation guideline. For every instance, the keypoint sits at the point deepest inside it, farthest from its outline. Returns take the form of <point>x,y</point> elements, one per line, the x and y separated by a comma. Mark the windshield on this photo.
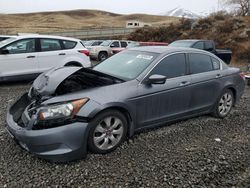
<point>106,43</point>
<point>126,65</point>
<point>88,43</point>
<point>181,44</point>
<point>7,41</point>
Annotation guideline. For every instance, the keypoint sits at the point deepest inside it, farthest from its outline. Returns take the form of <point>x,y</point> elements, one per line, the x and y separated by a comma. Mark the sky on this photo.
<point>117,6</point>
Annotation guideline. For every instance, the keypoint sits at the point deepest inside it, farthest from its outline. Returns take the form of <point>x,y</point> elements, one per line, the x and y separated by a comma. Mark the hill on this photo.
<point>72,20</point>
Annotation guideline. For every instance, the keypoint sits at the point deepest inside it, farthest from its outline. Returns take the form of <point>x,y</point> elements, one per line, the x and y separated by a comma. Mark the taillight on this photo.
<point>86,52</point>
<point>242,75</point>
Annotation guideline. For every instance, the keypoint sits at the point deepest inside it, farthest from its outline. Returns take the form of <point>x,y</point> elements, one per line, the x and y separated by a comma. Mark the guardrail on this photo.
<point>95,33</point>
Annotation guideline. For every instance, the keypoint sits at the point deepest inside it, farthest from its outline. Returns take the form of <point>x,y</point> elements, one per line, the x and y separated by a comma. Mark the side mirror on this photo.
<point>157,79</point>
<point>112,45</point>
<point>4,51</point>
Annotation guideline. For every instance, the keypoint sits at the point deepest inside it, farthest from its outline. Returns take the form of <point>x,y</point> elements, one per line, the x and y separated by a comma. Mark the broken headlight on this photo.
<point>65,110</point>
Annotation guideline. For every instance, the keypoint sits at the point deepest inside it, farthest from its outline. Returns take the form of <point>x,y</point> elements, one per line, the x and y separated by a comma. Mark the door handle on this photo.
<point>31,56</point>
<point>184,83</point>
<point>62,54</point>
<point>218,76</point>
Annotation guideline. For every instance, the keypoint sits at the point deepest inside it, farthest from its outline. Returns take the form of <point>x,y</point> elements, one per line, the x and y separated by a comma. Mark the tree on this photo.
<point>242,6</point>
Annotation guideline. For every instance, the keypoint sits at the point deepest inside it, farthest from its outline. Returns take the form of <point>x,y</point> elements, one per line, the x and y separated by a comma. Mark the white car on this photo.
<point>25,57</point>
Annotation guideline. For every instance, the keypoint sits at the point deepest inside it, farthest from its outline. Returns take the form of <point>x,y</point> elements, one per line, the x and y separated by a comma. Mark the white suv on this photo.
<point>25,57</point>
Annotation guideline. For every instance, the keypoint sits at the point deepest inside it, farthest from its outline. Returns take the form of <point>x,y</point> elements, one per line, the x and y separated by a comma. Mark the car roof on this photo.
<point>44,36</point>
<point>166,49</point>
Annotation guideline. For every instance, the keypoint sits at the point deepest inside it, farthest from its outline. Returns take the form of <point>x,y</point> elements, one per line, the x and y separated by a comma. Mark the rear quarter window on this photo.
<point>216,63</point>
<point>69,44</point>
<point>50,45</point>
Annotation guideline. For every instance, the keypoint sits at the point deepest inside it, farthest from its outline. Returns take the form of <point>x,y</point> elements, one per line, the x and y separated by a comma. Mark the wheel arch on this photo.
<point>73,63</point>
<point>103,51</point>
<point>234,91</point>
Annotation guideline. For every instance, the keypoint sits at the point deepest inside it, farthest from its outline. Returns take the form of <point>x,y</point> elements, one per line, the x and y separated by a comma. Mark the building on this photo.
<point>136,23</point>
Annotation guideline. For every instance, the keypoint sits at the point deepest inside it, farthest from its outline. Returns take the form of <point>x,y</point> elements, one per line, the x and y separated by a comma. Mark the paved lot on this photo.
<point>185,154</point>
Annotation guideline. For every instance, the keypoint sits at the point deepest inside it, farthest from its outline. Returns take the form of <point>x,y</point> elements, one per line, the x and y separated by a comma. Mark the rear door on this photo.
<point>167,101</point>
<point>21,58</point>
<point>51,54</point>
<point>205,74</point>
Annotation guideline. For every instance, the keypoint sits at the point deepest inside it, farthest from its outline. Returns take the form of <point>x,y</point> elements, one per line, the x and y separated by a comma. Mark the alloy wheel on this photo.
<point>108,133</point>
<point>225,104</point>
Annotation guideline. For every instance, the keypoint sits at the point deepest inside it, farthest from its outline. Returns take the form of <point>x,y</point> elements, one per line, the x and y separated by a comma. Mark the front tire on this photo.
<point>108,131</point>
<point>224,105</point>
<point>102,56</point>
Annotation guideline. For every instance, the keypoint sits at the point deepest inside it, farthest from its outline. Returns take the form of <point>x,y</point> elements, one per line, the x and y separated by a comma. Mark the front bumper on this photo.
<point>60,144</point>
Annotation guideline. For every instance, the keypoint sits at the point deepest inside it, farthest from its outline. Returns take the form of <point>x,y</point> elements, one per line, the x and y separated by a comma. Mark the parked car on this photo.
<point>26,56</point>
<point>207,45</point>
<point>4,37</point>
<point>90,43</point>
<point>70,109</point>
<point>133,44</point>
<point>105,49</point>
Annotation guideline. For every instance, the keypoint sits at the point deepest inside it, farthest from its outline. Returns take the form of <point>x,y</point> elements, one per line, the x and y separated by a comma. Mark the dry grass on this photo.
<point>72,20</point>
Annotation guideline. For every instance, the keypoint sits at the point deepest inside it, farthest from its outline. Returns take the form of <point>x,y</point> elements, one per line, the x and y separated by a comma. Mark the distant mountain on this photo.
<point>180,12</point>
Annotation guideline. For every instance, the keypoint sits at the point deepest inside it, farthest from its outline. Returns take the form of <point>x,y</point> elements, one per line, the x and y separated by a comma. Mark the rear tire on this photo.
<point>102,56</point>
<point>108,131</point>
<point>224,105</point>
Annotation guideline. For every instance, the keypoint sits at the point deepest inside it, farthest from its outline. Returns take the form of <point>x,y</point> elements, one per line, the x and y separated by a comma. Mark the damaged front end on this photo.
<point>31,112</point>
<point>52,129</point>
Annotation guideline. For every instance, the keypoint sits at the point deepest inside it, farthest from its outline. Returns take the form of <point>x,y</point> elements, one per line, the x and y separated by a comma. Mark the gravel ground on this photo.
<point>200,152</point>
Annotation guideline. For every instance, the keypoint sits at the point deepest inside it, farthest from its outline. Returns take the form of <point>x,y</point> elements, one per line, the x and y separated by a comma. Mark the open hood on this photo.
<point>46,83</point>
<point>65,80</point>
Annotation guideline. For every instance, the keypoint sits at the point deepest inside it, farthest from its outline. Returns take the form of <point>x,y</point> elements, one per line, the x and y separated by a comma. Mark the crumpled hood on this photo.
<point>47,83</point>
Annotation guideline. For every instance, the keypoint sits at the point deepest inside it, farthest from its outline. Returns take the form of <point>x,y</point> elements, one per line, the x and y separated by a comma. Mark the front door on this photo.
<point>167,101</point>
<point>20,58</point>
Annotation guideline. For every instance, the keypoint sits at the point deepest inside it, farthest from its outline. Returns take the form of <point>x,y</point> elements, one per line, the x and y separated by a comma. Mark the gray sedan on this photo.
<point>71,110</point>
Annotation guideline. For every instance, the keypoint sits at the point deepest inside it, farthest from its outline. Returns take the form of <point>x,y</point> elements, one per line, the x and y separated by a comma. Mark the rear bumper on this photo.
<point>93,55</point>
<point>60,144</point>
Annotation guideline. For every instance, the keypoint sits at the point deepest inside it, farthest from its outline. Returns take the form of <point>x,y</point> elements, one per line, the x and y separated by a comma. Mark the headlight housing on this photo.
<point>58,111</point>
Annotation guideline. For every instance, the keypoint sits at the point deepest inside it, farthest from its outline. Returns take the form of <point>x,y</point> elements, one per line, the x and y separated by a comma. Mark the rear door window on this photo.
<point>172,66</point>
<point>124,44</point>
<point>209,45</point>
<point>50,45</point>
<point>200,63</point>
<point>69,44</point>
